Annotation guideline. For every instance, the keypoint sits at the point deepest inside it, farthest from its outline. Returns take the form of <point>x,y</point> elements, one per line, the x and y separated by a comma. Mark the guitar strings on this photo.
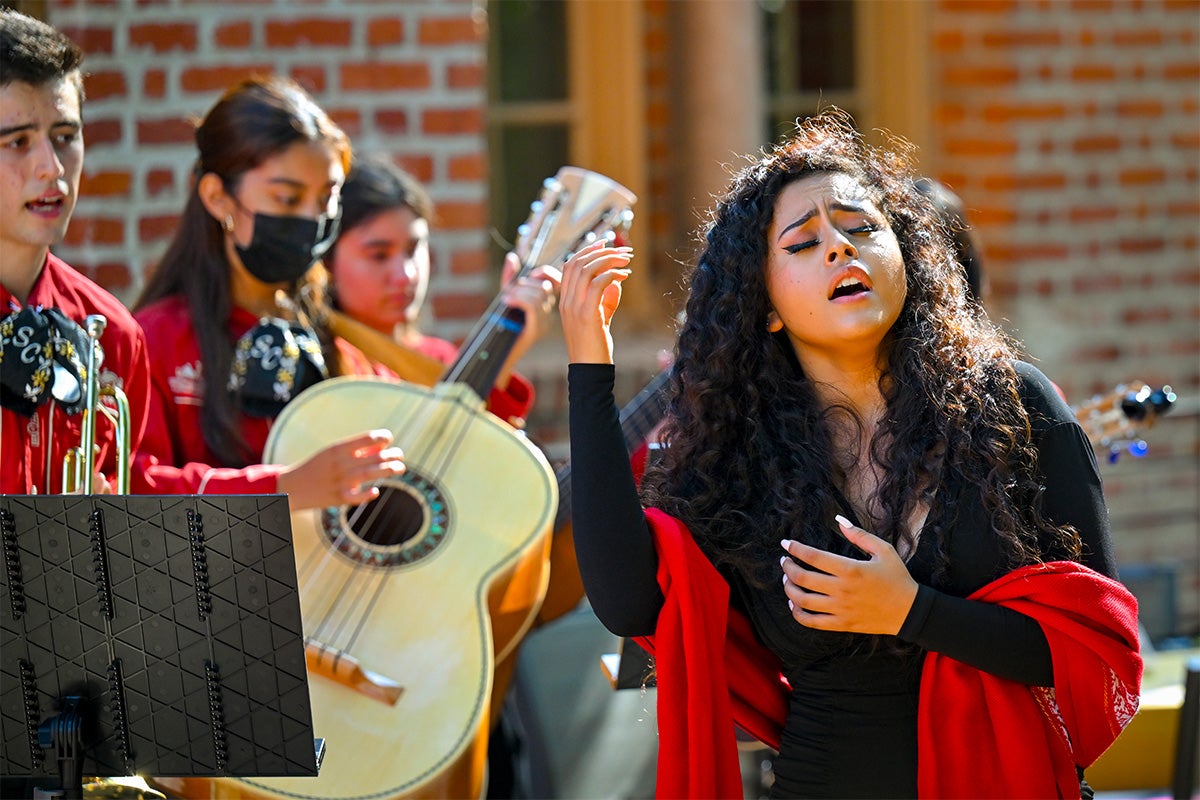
<point>442,439</point>
<point>349,600</point>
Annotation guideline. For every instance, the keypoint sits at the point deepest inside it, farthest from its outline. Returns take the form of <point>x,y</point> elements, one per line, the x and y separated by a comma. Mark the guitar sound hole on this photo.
<point>405,524</point>
<point>392,519</point>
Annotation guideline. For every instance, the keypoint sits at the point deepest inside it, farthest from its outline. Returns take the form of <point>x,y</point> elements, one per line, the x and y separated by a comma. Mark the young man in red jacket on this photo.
<point>44,303</point>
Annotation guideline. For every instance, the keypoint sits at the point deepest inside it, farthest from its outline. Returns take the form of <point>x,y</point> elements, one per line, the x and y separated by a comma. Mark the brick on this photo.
<point>215,79</point>
<point>104,84</point>
<point>348,119</point>
<point>1184,71</point>
<point>92,40</point>
<point>102,131</point>
<point>459,306</point>
<point>157,227</point>
<point>311,76</point>
<point>470,262</point>
<point>1131,246</point>
<point>94,230</point>
<point>385,31</point>
<point>163,37</point>
<point>1143,315</point>
<point>949,41</point>
<point>420,167</point>
<point>234,35</point>
<point>376,76</point>
<point>158,181</point>
<point>1024,112</point>
<point>1025,182</point>
<point>1103,143</point>
<point>1189,140</point>
<point>452,120</point>
<point>1034,252</point>
<point>964,7</point>
<point>1142,176</point>
<point>980,147</point>
<point>1022,39</point>
<point>391,120</point>
<point>313,32</point>
<point>472,167</point>
<point>1093,73</point>
<point>447,31</point>
<point>464,76</point>
<point>112,275</point>
<point>977,77</point>
<point>112,183</point>
<point>1147,108</point>
<point>173,130</point>
<point>1146,37</point>
<point>462,215</point>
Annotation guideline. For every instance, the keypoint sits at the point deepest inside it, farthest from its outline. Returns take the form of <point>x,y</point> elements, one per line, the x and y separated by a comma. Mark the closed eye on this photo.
<point>792,249</point>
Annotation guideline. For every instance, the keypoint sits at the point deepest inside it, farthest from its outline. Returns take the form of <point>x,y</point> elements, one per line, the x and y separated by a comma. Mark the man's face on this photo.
<point>41,157</point>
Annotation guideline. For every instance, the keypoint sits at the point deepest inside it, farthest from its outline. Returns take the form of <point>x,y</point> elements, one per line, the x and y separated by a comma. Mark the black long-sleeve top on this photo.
<point>851,729</point>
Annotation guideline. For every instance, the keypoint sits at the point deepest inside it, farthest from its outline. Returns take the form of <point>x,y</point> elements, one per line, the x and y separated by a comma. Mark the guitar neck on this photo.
<point>1113,421</point>
<point>485,350</point>
<point>638,417</point>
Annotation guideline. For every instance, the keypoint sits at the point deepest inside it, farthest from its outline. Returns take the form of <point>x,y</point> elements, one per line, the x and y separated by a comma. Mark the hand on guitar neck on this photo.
<point>1113,421</point>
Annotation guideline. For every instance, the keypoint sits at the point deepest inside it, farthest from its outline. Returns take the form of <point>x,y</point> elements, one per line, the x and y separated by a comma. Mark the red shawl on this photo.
<point>1090,622</point>
<point>713,672</point>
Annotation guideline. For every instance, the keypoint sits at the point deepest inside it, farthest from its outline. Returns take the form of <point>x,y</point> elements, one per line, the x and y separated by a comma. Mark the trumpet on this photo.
<point>79,464</point>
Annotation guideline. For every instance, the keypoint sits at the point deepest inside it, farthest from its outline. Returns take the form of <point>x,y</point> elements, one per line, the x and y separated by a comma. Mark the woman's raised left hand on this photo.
<point>835,593</point>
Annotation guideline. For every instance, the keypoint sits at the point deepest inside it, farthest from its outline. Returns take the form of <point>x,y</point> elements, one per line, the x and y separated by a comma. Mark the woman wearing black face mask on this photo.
<point>228,312</point>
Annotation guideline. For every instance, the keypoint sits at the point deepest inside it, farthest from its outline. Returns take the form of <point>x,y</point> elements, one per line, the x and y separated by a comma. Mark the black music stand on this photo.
<point>151,635</point>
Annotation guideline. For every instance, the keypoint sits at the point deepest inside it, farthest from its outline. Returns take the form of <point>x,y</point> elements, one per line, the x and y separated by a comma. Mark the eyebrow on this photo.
<point>295,184</point>
<point>33,127</point>
<point>850,207</point>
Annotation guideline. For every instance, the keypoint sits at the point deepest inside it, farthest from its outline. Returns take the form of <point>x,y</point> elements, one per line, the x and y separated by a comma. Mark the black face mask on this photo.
<point>284,248</point>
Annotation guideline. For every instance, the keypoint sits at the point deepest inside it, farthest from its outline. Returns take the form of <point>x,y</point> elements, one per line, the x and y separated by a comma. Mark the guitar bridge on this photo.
<point>345,669</point>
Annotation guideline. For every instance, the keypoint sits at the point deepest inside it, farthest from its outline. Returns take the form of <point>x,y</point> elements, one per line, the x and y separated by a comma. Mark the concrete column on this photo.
<point>722,99</point>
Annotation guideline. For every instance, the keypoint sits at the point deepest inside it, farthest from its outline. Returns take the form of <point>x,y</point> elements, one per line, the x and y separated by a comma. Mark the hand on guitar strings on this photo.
<point>343,473</point>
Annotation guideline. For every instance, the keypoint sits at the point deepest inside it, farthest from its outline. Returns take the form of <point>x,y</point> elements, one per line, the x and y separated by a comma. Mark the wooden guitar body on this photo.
<point>399,635</point>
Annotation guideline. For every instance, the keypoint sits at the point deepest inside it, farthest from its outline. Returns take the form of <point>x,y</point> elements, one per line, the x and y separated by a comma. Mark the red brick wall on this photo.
<point>403,79</point>
<point>1070,127</point>
<point>1072,130</point>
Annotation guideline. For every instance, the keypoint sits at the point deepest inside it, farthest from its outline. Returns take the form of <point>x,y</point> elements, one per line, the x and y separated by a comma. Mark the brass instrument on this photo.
<point>79,464</point>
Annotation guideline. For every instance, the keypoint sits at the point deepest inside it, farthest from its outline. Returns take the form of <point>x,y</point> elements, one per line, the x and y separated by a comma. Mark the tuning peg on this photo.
<point>1163,399</point>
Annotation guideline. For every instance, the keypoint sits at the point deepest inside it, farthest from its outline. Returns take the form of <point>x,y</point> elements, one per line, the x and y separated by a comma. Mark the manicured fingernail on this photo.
<point>785,543</point>
<point>845,523</point>
<point>782,560</point>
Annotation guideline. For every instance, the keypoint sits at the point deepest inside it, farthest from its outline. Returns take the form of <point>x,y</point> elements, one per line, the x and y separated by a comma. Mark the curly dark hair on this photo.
<point>751,460</point>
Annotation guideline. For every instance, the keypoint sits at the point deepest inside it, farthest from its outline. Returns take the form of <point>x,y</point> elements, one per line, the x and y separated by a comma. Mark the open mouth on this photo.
<point>848,287</point>
<point>46,205</point>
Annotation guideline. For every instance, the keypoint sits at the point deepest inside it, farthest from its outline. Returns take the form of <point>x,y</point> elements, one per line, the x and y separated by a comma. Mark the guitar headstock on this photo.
<point>1113,421</point>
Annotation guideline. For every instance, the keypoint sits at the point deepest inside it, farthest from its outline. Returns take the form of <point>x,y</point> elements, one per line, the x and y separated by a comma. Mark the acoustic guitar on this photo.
<point>395,593</point>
